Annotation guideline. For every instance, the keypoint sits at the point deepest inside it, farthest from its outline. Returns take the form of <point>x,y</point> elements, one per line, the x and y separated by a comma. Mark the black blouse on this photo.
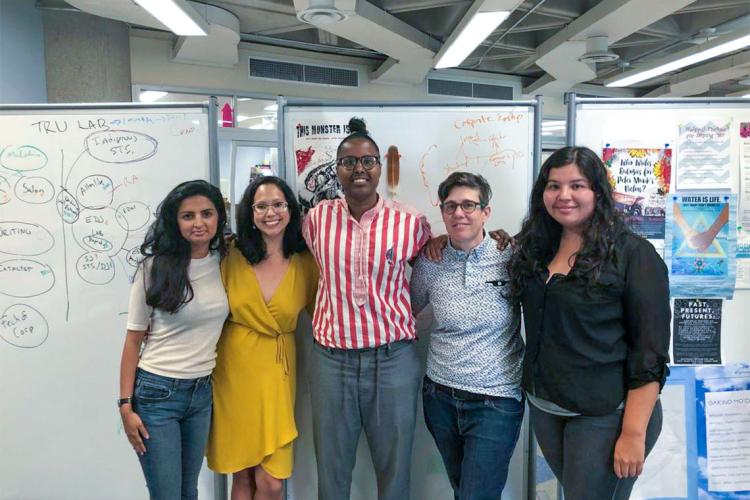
<point>586,348</point>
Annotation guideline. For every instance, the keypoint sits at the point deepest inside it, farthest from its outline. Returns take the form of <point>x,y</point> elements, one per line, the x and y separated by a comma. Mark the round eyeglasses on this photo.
<point>278,207</point>
<point>349,162</point>
<point>468,206</point>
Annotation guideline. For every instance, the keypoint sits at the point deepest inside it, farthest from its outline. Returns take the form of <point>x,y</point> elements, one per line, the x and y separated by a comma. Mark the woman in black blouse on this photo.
<point>596,308</point>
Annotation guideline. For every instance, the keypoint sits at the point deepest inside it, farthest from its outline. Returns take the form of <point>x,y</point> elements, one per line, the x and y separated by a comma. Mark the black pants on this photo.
<point>580,451</point>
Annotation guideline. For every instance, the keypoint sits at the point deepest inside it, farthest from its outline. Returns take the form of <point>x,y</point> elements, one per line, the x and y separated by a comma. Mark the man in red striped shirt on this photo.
<point>364,370</point>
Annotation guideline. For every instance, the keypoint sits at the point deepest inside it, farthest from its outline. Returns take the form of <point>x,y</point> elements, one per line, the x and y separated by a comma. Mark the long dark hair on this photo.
<point>250,239</point>
<point>358,130</point>
<point>169,252</point>
<point>540,234</point>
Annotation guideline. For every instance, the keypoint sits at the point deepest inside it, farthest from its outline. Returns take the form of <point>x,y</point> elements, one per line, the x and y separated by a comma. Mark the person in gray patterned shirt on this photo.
<point>473,404</point>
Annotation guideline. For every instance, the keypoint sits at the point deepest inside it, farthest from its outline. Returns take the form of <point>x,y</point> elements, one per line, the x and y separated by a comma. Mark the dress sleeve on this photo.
<point>139,313</point>
<point>647,317</point>
<point>420,295</point>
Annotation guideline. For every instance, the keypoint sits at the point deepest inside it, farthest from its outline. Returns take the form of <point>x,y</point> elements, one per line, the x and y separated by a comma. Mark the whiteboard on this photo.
<point>433,141</point>
<point>78,190</point>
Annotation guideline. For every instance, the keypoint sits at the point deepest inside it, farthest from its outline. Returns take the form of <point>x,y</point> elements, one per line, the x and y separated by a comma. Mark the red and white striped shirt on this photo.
<point>363,294</point>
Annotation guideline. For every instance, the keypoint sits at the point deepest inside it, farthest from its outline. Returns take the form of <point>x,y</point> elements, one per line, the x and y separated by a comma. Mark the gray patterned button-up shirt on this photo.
<point>476,345</point>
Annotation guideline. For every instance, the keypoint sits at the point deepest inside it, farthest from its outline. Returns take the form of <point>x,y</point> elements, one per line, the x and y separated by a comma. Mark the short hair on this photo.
<point>469,180</point>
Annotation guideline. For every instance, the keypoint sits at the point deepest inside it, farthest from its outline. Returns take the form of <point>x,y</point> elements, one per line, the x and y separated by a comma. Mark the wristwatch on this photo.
<point>124,401</point>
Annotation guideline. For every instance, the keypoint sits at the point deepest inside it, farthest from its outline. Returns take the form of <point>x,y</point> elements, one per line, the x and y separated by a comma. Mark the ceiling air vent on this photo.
<point>469,89</point>
<point>303,73</point>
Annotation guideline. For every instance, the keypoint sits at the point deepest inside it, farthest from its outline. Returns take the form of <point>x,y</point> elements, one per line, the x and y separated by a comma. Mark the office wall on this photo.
<point>22,75</point>
<point>87,58</point>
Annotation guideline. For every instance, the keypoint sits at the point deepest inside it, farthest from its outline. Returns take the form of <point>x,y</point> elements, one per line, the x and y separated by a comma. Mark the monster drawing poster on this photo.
<point>315,161</point>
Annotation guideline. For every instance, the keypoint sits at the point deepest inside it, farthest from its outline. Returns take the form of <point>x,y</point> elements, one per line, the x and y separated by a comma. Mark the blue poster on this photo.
<point>722,398</point>
<point>701,244</point>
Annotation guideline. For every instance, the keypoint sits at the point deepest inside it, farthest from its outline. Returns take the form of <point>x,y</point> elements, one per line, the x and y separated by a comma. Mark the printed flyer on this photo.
<point>696,332</point>
<point>703,159</point>
<point>701,244</point>
<point>640,182</point>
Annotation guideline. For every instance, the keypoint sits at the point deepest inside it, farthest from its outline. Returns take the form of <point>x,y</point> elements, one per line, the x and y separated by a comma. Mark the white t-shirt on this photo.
<point>183,344</point>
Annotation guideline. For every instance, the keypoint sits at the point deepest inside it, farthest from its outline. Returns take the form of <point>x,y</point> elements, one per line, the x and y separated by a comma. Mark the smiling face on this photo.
<point>568,197</point>
<point>270,210</point>
<point>197,220</point>
<point>465,230</point>
<point>359,184</point>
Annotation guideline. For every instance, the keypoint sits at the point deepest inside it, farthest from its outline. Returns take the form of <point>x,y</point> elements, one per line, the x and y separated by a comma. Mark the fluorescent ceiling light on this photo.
<point>746,96</point>
<point>174,17</point>
<point>476,30</point>
<point>689,58</point>
<point>151,95</point>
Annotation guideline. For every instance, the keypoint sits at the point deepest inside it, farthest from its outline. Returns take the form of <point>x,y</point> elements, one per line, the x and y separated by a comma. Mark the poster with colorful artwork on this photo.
<point>703,156</point>
<point>640,182</point>
<point>701,244</point>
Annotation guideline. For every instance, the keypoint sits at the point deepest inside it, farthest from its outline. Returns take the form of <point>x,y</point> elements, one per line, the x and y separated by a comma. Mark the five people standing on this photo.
<point>591,374</point>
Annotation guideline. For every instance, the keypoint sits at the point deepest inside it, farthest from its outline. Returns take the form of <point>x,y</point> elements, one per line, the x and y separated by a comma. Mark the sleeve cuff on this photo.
<point>656,374</point>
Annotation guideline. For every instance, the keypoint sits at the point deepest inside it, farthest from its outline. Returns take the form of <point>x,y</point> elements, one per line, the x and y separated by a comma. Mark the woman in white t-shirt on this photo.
<point>178,297</point>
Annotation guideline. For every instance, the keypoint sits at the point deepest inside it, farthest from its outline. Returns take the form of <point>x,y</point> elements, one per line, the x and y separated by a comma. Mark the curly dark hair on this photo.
<point>250,239</point>
<point>170,253</point>
<point>540,234</point>
<point>358,130</point>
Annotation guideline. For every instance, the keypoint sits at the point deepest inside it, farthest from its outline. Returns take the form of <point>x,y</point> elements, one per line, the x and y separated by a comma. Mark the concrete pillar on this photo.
<point>22,75</point>
<point>88,58</point>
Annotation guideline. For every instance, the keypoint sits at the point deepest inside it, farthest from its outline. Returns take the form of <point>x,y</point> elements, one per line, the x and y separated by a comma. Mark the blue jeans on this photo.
<point>580,451</point>
<point>177,414</point>
<point>374,390</point>
<point>475,436</point>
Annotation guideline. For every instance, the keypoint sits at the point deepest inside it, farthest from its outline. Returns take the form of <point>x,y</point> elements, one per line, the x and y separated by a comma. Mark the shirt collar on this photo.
<point>477,251</point>
<point>369,213</point>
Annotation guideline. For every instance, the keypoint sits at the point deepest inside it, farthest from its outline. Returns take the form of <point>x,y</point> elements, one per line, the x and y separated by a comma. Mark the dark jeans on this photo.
<point>374,390</point>
<point>177,414</point>
<point>476,438</point>
<point>580,451</point>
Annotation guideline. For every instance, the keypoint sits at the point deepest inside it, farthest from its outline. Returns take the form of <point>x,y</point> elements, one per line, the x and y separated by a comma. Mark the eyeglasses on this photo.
<point>349,162</point>
<point>262,208</point>
<point>468,206</point>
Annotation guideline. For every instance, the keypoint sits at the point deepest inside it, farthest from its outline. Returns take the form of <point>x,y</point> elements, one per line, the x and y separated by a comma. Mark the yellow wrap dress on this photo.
<point>254,381</point>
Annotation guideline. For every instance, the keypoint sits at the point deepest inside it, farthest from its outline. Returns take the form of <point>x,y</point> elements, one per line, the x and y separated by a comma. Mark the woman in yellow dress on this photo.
<point>269,277</point>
